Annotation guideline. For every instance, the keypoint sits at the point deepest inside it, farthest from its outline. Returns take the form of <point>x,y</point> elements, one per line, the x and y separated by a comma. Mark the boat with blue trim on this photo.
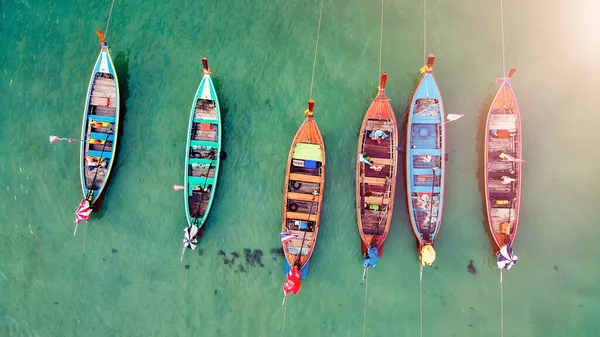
<point>202,157</point>
<point>426,162</point>
<point>100,126</point>
<point>303,195</point>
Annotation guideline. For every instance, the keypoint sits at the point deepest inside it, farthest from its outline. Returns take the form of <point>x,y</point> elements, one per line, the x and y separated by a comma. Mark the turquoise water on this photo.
<point>121,275</point>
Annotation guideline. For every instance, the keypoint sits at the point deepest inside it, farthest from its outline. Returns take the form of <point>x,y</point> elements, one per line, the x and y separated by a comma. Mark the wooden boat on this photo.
<point>376,181</point>
<point>426,163</point>
<point>303,194</point>
<point>202,157</point>
<point>503,165</point>
<point>100,126</point>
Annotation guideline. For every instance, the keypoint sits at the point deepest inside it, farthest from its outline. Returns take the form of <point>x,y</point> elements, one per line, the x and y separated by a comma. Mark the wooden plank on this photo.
<point>382,161</point>
<point>104,88</point>
<point>379,125</point>
<point>303,197</point>
<point>301,216</point>
<point>377,201</point>
<point>206,116</point>
<point>374,181</point>
<point>104,81</point>
<point>503,122</point>
<point>305,177</point>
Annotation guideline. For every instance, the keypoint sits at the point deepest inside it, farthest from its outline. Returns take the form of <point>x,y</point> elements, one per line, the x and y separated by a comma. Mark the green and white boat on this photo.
<point>202,158</point>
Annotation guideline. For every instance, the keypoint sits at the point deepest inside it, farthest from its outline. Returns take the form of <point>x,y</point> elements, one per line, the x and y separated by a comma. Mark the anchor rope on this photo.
<point>502,25</point>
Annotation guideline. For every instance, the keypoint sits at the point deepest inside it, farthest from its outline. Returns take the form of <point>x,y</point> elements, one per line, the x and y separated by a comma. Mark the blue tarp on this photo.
<point>371,258</point>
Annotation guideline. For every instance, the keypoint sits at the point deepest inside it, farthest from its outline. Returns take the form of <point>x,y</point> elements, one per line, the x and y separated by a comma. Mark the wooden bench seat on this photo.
<point>374,181</point>
<point>377,201</point>
<point>305,177</point>
<point>382,161</point>
<point>301,216</point>
<point>303,197</point>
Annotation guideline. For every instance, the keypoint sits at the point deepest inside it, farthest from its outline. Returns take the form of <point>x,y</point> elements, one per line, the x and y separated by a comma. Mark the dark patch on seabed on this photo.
<point>471,267</point>
<point>252,257</point>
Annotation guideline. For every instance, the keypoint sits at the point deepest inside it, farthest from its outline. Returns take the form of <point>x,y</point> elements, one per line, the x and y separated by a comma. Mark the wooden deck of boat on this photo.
<point>303,194</point>
<point>100,128</point>
<point>503,135</point>
<point>203,156</point>
<point>425,166</point>
<point>375,185</point>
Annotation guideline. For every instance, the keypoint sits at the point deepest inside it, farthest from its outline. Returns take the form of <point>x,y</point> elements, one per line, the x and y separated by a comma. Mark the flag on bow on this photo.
<point>54,139</point>
<point>83,211</point>
<point>292,282</point>
<point>371,258</point>
<point>285,237</point>
<point>190,240</point>
<point>506,258</point>
<point>507,157</point>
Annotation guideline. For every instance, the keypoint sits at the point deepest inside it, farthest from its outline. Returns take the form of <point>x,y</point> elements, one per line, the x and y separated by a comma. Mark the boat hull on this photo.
<point>376,183</point>
<point>203,149</point>
<point>502,177</point>
<point>303,194</point>
<point>100,127</point>
<point>426,160</point>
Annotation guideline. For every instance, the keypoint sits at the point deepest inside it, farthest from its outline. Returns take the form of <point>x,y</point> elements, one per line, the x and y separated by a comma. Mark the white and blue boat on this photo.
<point>426,162</point>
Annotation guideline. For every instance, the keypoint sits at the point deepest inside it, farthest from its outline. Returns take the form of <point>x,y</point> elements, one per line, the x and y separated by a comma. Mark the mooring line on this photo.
<point>312,80</point>
<point>109,16</point>
<point>502,25</point>
<point>380,40</point>
<point>421,300</point>
<point>365,306</point>
<point>501,306</point>
<point>424,31</point>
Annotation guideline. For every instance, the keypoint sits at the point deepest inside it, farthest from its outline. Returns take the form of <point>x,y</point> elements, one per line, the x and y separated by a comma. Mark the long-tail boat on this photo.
<point>425,162</point>
<point>99,130</point>
<point>503,151</point>
<point>202,158</point>
<point>376,175</point>
<point>303,195</point>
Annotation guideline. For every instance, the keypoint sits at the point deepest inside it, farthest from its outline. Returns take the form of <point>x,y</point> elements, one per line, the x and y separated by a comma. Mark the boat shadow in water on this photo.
<point>480,148</point>
<point>121,63</point>
<point>401,182</point>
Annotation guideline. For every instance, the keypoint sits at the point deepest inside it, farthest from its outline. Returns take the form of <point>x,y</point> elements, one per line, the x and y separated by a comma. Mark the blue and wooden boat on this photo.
<point>503,150</point>
<point>202,157</point>
<point>425,162</point>
<point>303,195</point>
<point>100,126</point>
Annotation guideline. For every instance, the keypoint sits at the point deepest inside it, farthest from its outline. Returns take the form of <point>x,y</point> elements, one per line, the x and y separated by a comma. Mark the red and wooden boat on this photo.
<point>503,151</point>
<point>303,195</point>
<point>376,175</point>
